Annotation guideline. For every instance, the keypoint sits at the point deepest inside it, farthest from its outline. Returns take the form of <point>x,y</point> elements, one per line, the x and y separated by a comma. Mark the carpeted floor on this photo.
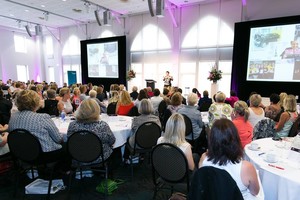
<point>140,188</point>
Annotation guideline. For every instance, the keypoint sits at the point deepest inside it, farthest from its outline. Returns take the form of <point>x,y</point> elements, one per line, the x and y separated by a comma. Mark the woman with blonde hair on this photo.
<point>288,117</point>
<point>64,103</point>
<point>87,118</point>
<point>257,113</point>
<point>175,134</point>
<point>124,104</point>
<point>240,117</point>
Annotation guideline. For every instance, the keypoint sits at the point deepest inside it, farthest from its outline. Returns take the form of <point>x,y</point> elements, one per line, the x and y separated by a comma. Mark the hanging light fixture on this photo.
<point>46,16</point>
<point>97,17</point>
<point>160,8</point>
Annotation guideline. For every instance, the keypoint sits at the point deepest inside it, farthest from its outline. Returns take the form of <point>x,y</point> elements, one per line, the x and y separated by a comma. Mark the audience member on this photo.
<point>256,112</point>
<point>146,110</point>
<point>204,102</point>
<point>93,94</point>
<point>195,90</point>
<point>64,103</point>
<point>155,100</point>
<point>83,90</point>
<point>274,110</point>
<point>134,94</point>
<point>219,109</point>
<point>87,118</point>
<point>175,134</point>
<point>124,104</point>
<point>3,140</point>
<point>190,110</point>
<point>142,95</point>
<point>288,117</point>
<point>240,117</point>
<point>232,99</point>
<point>75,99</point>
<point>5,107</point>
<point>50,104</point>
<point>225,152</point>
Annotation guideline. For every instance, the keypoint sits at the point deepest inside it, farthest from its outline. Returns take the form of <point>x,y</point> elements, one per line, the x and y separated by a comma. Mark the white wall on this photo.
<point>230,12</point>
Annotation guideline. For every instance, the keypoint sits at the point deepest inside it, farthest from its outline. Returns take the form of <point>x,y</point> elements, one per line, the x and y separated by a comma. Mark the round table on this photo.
<point>119,125</point>
<point>280,180</point>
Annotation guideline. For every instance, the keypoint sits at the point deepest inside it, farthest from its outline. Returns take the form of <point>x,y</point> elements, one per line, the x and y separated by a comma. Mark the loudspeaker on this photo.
<point>97,17</point>
<point>160,8</point>
<point>106,18</point>
<point>38,30</point>
<point>28,30</point>
<point>150,8</point>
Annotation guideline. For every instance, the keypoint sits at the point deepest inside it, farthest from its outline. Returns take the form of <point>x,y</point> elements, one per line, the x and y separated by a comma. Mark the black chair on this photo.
<point>26,149</point>
<point>85,147</point>
<point>162,106</point>
<point>133,112</point>
<point>214,184</point>
<point>146,138</point>
<point>169,167</point>
<point>188,126</point>
<point>111,108</point>
<point>295,129</point>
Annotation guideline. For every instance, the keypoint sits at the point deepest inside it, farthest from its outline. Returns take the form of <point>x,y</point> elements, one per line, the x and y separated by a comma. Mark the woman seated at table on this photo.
<point>257,113</point>
<point>65,102</point>
<point>225,152</point>
<point>175,134</point>
<point>50,104</point>
<point>288,117</point>
<point>191,111</point>
<point>124,104</point>
<point>146,110</point>
<point>239,117</point>
<point>87,118</point>
<point>274,110</point>
<point>219,109</point>
<point>39,124</point>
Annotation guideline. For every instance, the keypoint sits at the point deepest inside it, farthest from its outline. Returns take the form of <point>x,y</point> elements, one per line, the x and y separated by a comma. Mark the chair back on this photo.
<point>111,108</point>
<point>24,146</point>
<point>188,126</point>
<point>85,146</point>
<point>295,129</point>
<point>169,163</point>
<point>147,135</point>
<point>264,128</point>
<point>213,183</point>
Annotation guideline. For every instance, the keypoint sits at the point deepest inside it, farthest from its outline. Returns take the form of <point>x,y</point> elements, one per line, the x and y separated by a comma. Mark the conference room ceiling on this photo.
<point>54,14</point>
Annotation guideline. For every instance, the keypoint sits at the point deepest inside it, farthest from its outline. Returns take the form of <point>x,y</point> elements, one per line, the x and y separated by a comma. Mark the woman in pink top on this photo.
<point>239,117</point>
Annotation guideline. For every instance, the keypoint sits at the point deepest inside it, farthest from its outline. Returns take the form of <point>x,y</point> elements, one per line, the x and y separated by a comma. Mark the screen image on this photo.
<point>103,60</point>
<point>274,53</point>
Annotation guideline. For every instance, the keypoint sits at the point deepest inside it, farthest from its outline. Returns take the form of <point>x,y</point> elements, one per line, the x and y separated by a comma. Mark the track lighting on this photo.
<point>107,18</point>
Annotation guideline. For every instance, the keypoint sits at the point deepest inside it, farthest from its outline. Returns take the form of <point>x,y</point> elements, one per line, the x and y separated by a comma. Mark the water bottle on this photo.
<point>63,116</point>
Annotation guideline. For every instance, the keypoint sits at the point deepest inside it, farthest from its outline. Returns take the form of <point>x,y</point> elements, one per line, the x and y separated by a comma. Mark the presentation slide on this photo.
<point>102,60</point>
<point>274,54</point>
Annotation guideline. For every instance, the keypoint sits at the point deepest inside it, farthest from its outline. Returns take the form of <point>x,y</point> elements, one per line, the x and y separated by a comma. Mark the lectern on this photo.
<point>150,83</point>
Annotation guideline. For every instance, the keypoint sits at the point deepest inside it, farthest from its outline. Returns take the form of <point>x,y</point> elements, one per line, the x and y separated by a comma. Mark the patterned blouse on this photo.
<point>218,111</point>
<point>101,129</point>
<point>40,125</point>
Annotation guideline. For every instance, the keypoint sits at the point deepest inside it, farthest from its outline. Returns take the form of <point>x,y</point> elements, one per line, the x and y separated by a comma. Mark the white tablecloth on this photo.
<point>120,126</point>
<point>281,184</point>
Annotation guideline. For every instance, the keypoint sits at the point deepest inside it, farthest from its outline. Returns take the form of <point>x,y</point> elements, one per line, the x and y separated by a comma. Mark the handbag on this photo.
<point>112,185</point>
<point>40,186</point>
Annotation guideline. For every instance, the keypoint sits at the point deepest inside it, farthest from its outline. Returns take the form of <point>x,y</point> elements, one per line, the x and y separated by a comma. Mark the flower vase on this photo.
<point>214,88</point>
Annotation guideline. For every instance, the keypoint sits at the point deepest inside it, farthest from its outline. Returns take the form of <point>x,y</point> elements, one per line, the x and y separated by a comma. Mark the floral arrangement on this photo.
<point>130,74</point>
<point>214,74</point>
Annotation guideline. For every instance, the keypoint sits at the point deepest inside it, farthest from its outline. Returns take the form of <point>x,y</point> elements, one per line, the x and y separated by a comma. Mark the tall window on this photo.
<point>20,44</point>
<point>49,46</point>
<point>213,46</point>
<point>22,73</point>
<point>51,74</point>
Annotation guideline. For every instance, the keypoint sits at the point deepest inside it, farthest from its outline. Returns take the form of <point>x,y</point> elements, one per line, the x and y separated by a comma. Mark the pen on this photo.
<point>261,154</point>
<point>276,167</point>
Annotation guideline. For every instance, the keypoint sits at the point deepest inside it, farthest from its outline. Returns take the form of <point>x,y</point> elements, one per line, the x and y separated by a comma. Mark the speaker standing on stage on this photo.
<point>167,79</point>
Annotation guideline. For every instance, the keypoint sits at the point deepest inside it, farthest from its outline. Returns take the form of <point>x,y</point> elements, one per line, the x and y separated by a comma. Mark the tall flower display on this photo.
<point>130,74</point>
<point>214,74</point>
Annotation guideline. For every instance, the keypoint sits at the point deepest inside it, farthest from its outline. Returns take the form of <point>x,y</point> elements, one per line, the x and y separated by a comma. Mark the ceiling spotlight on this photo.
<point>160,8</point>
<point>87,7</point>
<point>97,17</point>
<point>46,16</point>
<point>107,18</point>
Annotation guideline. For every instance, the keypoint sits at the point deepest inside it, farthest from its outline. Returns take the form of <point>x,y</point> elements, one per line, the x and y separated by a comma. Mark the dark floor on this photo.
<point>140,188</point>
